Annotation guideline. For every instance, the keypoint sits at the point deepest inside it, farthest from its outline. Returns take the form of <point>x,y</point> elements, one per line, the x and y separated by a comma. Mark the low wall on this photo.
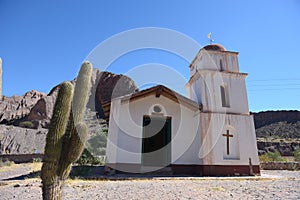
<point>280,166</point>
<point>21,158</point>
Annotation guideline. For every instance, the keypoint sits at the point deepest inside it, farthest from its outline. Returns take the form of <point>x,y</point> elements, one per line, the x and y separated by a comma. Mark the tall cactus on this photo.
<point>73,136</point>
<point>0,79</point>
<point>67,133</point>
<point>51,182</point>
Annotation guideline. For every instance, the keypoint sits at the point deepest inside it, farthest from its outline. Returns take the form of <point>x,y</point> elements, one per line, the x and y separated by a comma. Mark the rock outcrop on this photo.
<point>17,140</point>
<point>111,86</point>
<point>16,107</point>
<point>282,129</point>
<point>34,109</point>
<point>105,85</point>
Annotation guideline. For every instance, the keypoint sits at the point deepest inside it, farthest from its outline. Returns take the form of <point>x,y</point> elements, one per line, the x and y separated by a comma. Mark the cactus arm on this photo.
<point>73,138</point>
<point>81,92</point>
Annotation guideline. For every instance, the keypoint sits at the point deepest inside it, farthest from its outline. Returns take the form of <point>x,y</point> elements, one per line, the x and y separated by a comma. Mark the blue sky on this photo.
<point>43,43</point>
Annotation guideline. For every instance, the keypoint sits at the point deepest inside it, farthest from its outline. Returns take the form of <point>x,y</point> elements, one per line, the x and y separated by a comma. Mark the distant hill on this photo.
<point>277,124</point>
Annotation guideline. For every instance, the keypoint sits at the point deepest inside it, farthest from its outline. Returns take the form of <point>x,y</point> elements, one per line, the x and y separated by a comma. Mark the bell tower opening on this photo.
<point>224,96</point>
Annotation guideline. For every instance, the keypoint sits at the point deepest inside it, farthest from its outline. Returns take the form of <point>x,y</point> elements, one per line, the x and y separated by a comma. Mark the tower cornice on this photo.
<point>214,72</point>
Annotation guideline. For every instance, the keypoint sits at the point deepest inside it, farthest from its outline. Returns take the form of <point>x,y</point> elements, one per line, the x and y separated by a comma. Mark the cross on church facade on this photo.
<point>227,135</point>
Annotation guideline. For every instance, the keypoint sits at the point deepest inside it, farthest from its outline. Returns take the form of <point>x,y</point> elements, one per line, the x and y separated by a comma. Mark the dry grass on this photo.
<point>7,168</point>
<point>36,166</point>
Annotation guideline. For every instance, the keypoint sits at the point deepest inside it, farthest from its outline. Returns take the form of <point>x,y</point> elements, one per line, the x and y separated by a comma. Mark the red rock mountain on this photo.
<point>105,85</point>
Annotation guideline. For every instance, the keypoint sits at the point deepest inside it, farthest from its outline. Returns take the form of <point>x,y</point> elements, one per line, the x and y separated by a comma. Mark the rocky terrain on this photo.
<point>25,119</point>
<point>277,124</point>
<point>16,140</point>
<point>278,131</point>
<point>286,147</point>
<point>17,107</point>
<point>112,85</point>
<point>270,117</point>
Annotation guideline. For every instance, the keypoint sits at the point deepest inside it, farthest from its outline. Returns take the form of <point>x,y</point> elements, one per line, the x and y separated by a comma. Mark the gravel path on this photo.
<point>271,185</point>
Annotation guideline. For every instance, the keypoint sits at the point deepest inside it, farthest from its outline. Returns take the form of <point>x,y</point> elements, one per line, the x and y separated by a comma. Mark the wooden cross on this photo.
<point>227,135</point>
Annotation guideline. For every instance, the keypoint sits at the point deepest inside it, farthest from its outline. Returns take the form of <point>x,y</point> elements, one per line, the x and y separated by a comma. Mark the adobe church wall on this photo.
<point>243,139</point>
<point>184,128</point>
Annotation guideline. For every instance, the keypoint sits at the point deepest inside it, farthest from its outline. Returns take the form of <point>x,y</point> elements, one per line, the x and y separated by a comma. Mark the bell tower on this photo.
<point>228,145</point>
<point>216,83</point>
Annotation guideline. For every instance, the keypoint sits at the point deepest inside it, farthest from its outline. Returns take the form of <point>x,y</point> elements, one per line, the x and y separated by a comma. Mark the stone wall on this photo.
<point>280,166</point>
<point>285,148</point>
<point>21,158</point>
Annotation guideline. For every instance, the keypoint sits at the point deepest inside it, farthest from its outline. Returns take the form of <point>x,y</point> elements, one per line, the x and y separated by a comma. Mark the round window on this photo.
<point>157,109</point>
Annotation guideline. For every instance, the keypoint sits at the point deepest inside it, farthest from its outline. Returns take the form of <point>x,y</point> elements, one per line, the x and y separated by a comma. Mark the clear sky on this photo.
<point>43,43</point>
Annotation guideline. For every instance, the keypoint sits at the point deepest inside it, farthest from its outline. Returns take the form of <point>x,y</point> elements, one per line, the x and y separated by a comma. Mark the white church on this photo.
<point>208,133</point>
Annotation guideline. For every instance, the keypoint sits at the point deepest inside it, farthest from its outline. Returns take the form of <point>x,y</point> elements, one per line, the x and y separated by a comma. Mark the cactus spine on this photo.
<point>0,79</point>
<point>67,133</point>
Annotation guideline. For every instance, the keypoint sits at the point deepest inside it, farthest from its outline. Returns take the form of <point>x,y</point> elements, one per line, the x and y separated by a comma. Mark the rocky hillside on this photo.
<point>270,117</point>
<point>33,112</point>
<point>105,85</point>
<point>277,124</point>
<point>16,107</point>
<point>278,131</point>
<point>17,140</point>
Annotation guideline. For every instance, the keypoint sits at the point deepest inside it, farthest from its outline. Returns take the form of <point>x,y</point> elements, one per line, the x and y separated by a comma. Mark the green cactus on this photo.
<point>61,112</point>
<point>73,137</point>
<point>67,134</point>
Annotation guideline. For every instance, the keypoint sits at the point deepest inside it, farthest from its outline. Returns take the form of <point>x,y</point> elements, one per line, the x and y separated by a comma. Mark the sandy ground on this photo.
<point>270,185</point>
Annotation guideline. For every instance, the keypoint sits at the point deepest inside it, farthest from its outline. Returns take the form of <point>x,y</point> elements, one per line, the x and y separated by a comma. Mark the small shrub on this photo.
<point>37,160</point>
<point>271,157</point>
<point>87,158</point>
<point>26,124</point>
<point>264,158</point>
<point>297,155</point>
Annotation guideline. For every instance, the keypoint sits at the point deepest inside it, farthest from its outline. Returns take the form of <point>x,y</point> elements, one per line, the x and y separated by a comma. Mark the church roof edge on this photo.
<point>159,90</point>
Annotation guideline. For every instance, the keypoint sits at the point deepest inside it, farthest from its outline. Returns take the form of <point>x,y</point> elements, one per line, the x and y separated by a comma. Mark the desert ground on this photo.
<point>15,184</point>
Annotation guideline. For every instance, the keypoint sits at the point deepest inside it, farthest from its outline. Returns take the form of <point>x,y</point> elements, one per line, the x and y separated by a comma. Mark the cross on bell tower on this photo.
<point>211,40</point>
<point>227,135</point>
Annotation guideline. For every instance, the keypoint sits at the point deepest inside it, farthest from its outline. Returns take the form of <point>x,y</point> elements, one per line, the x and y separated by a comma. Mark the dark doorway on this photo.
<point>156,146</point>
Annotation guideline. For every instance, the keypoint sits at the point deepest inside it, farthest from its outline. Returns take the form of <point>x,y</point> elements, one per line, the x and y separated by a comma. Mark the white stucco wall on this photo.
<point>242,145</point>
<point>204,88</point>
<point>216,61</point>
<point>125,130</point>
